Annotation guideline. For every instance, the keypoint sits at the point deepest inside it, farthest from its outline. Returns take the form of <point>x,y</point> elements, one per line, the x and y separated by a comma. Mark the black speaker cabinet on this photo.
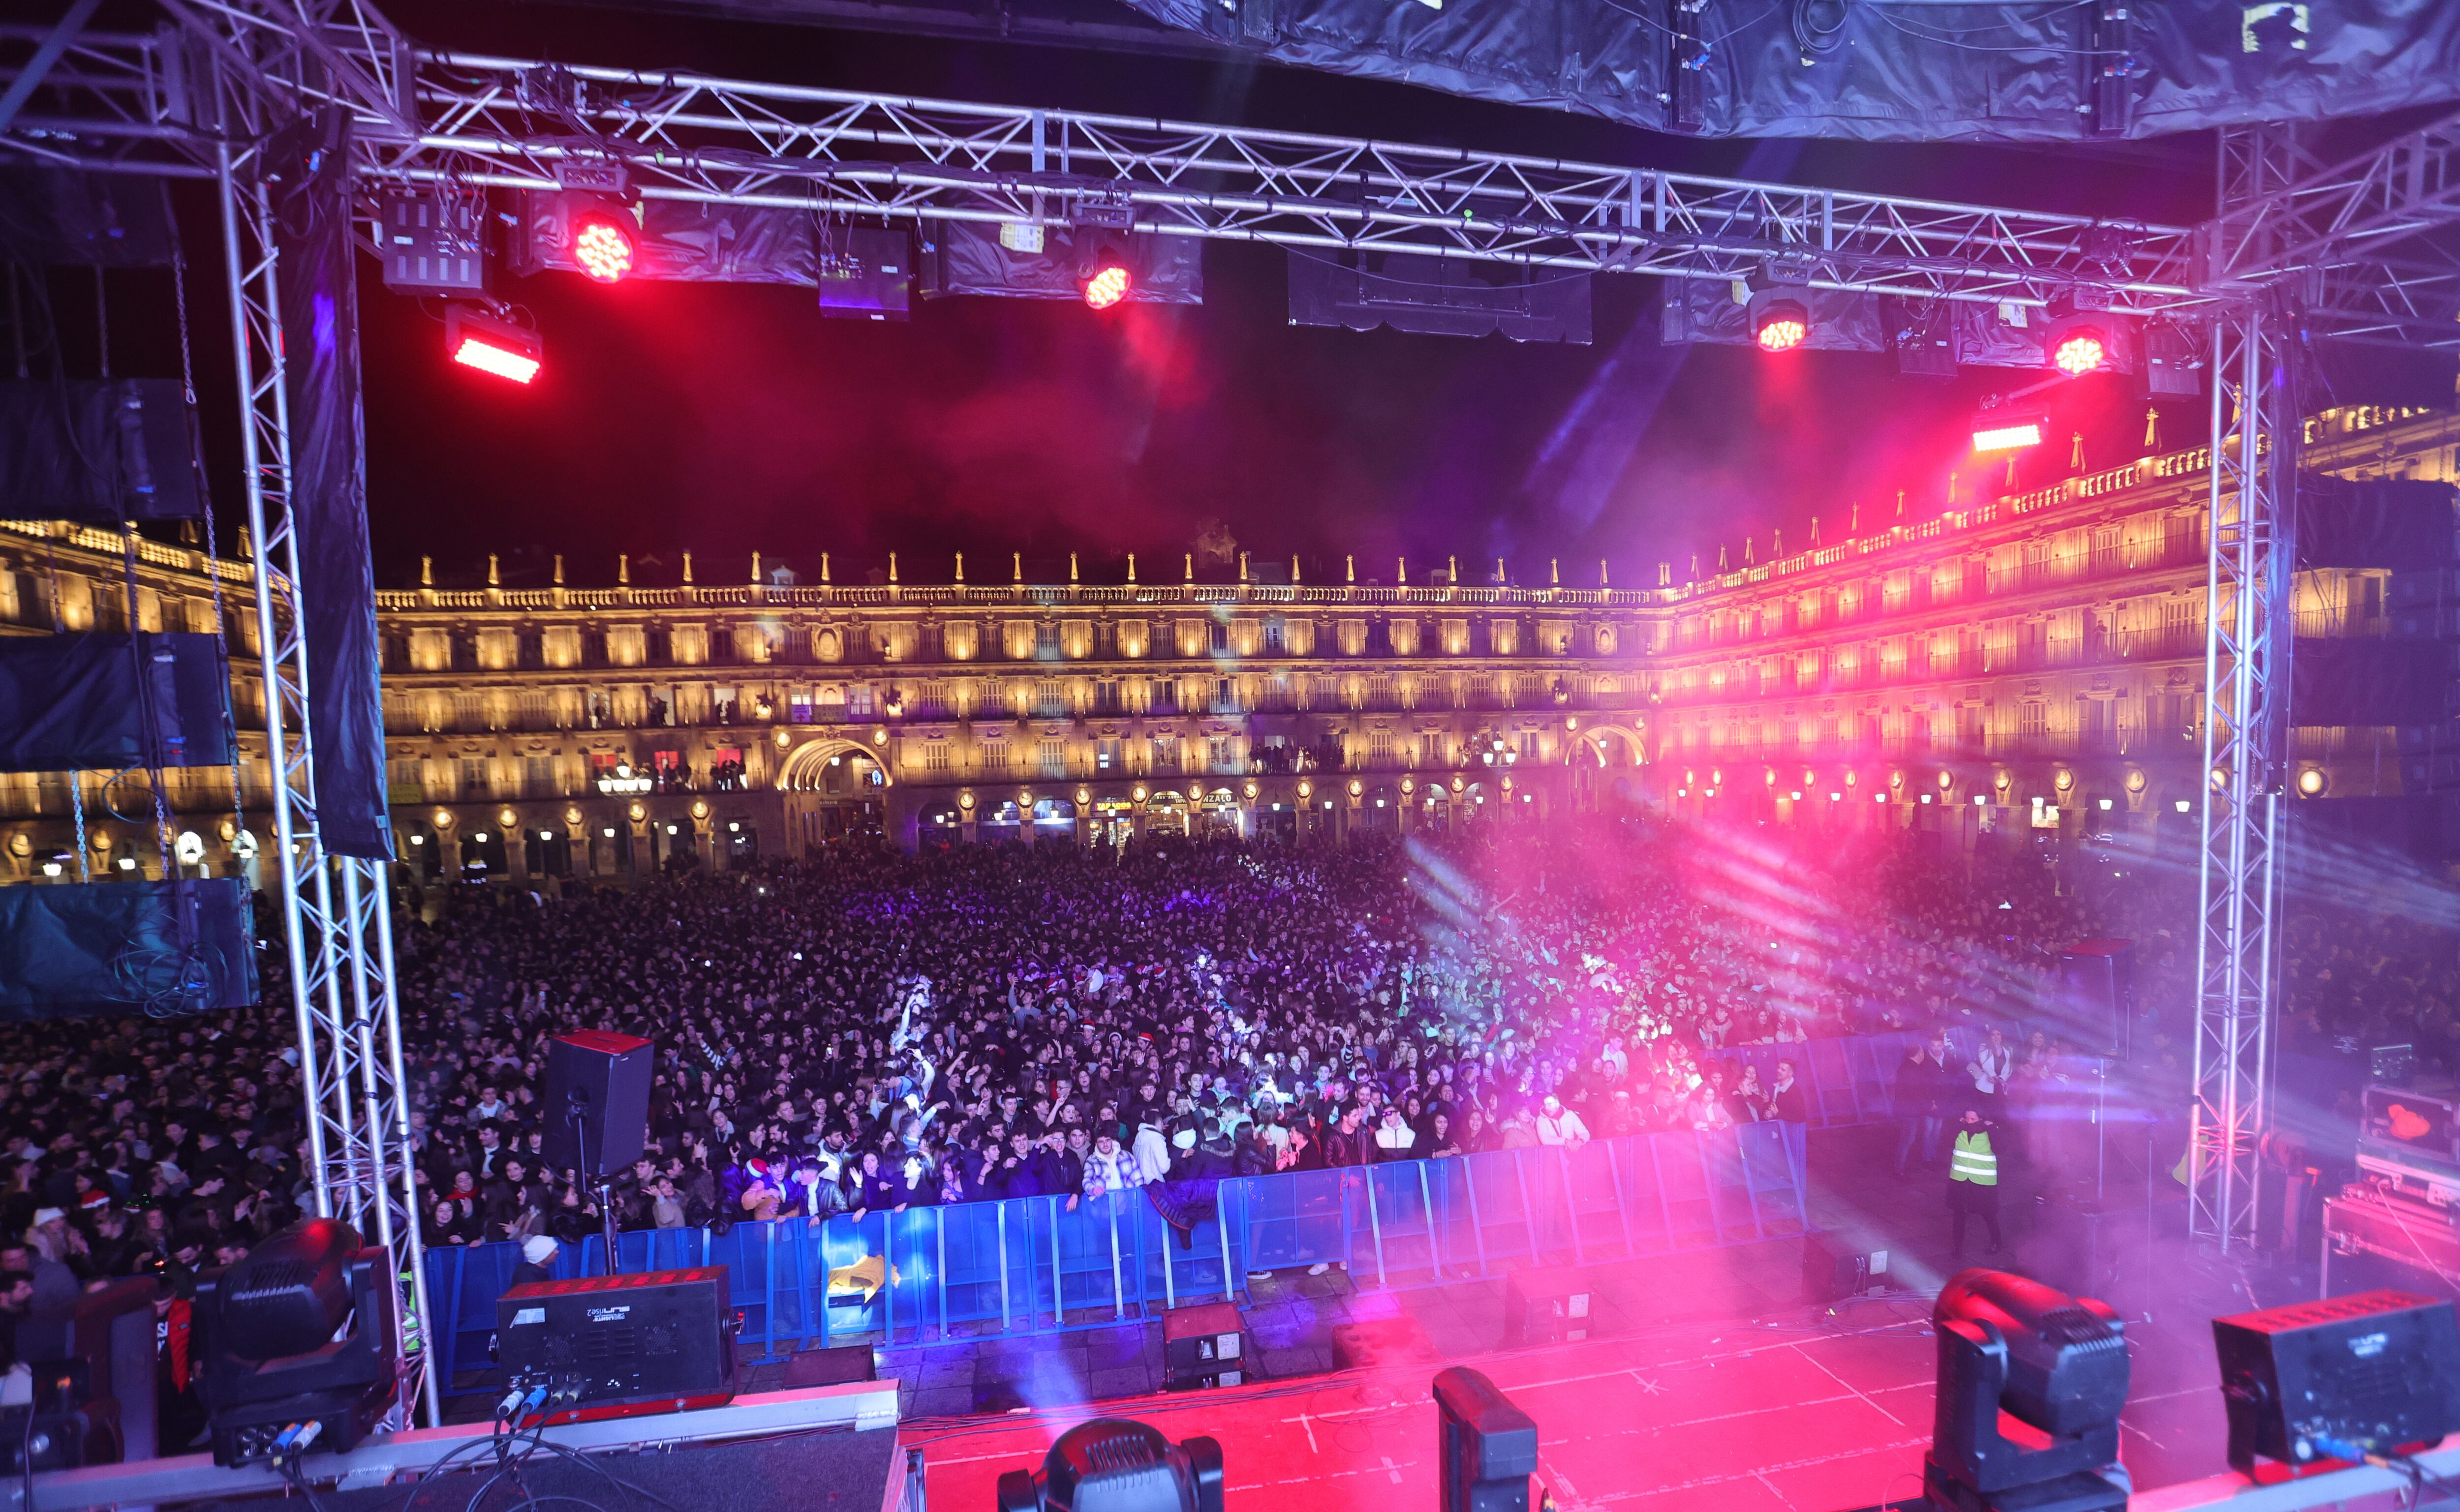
<point>2380,1369</point>
<point>597,1106</point>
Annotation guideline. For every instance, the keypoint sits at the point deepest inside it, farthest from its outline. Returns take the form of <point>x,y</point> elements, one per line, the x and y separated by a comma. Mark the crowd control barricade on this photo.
<point>1037,1265</point>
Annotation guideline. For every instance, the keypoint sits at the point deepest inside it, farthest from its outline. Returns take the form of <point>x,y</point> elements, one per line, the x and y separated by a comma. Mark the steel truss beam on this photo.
<point>2250,630</point>
<point>2369,247</point>
<point>429,117</point>
<point>339,948</point>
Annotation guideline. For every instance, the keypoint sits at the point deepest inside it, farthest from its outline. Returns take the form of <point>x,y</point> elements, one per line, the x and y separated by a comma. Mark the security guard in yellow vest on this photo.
<point>1973,1181</point>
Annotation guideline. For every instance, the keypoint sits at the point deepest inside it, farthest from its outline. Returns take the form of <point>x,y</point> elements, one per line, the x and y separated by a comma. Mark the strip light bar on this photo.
<point>2009,433</point>
<point>493,345</point>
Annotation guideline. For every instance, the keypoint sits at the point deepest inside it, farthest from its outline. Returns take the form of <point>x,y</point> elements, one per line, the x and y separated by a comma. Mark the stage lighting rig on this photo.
<point>1114,1465</point>
<point>2010,1347</point>
<point>1105,279</point>
<point>492,345</point>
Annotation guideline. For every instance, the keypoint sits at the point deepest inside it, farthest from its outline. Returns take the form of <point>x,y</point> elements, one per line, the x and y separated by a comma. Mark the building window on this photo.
<point>935,755</point>
<point>1273,638</point>
<point>474,777</point>
<point>1106,756</point>
<point>1218,749</point>
<point>1045,643</point>
<point>1053,757</point>
<point>859,703</point>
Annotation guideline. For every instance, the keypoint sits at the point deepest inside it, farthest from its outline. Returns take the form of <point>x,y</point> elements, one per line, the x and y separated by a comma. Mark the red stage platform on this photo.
<point>1710,1417</point>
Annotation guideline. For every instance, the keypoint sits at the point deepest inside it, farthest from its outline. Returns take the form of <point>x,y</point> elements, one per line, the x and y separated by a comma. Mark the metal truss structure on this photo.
<point>2361,249</point>
<point>225,96</point>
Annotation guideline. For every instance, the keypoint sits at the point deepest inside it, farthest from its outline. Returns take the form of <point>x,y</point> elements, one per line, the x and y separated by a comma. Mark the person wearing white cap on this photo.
<point>537,1260</point>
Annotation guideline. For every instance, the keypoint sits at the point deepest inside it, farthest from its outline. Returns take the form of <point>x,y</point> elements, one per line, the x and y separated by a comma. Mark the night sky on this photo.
<point>728,419</point>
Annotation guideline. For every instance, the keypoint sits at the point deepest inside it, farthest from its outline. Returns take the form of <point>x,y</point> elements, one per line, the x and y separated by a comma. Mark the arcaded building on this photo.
<point>2034,662</point>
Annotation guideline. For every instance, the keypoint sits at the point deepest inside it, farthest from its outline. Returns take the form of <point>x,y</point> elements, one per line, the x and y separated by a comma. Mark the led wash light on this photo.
<point>604,244</point>
<point>493,345</point>
<point>1780,326</point>
<point>1107,281</point>
<point>2080,351</point>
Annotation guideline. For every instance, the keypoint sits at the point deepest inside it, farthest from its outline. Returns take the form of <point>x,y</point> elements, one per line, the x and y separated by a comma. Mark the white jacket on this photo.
<point>1566,1129</point>
<point>1153,1152</point>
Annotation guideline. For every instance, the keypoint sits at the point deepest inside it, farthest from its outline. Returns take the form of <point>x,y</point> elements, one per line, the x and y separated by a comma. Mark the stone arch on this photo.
<point>805,768</point>
<point>1608,745</point>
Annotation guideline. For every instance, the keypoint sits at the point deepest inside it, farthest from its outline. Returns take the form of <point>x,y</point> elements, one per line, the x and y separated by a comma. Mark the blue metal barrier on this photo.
<point>1043,1264</point>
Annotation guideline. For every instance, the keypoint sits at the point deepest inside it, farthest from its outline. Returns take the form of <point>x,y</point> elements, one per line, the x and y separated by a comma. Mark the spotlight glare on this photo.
<point>2079,351</point>
<point>603,245</point>
<point>1107,285</point>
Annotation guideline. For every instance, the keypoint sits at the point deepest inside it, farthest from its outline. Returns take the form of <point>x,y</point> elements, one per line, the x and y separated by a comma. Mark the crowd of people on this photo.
<point>870,1030</point>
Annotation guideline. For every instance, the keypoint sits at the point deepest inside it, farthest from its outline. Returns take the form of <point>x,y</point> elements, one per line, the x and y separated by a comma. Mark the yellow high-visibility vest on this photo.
<point>1974,1160</point>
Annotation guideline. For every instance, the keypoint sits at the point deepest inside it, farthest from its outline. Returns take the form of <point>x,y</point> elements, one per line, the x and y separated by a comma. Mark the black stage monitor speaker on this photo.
<point>98,702</point>
<point>2097,995</point>
<point>2377,1372</point>
<point>82,949</point>
<point>623,1345</point>
<point>301,1331</point>
<point>1488,1446</point>
<point>597,1109</point>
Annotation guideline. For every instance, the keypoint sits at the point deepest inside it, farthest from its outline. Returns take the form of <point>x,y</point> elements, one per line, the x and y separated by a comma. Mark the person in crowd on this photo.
<point>1917,1091</point>
<point>537,1260</point>
<point>1788,1100</point>
<point>1559,1128</point>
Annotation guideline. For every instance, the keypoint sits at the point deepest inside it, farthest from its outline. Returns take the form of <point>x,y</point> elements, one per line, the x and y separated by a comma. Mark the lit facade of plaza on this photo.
<point>2033,663</point>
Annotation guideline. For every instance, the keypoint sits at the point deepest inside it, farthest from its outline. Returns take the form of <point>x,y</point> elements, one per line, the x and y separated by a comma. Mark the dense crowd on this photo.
<point>873,1030</point>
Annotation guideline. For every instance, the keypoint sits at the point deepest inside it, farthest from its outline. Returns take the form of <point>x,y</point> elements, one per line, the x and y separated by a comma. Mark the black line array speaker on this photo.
<point>97,450</point>
<point>81,948</point>
<point>597,1106</point>
<point>106,703</point>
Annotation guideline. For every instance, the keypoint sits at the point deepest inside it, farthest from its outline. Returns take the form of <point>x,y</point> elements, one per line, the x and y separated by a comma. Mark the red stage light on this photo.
<point>603,246</point>
<point>493,347</point>
<point>1780,326</point>
<point>1107,285</point>
<point>2079,351</point>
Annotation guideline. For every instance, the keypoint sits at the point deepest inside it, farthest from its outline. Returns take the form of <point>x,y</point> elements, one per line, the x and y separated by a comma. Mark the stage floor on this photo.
<point>1792,1415</point>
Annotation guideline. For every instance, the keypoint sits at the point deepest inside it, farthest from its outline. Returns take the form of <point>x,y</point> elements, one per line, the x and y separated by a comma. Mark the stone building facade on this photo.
<point>2033,663</point>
